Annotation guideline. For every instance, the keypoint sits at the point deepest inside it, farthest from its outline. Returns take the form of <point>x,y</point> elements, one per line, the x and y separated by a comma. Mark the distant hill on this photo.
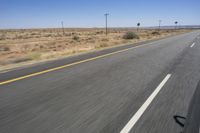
<point>179,27</point>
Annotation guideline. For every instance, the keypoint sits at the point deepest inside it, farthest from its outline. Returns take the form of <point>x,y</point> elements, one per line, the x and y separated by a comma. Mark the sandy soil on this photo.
<point>36,45</point>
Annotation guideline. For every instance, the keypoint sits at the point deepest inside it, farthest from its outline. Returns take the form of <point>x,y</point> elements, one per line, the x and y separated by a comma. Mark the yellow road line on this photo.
<point>65,66</point>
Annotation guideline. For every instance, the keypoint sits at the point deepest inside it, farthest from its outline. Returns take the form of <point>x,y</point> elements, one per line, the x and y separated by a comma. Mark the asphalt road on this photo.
<point>192,121</point>
<point>141,89</point>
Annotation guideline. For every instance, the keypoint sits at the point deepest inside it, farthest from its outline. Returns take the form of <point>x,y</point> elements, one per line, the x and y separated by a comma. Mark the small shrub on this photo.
<point>76,38</point>
<point>67,34</point>
<point>50,45</point>
<point>22,59</point>
<point>26,36</point>
<point>130,35</point>
<point>58,35</point>
<point>155,33</point>
<point>105,40</point>
<point>37,36</point>
<point>3,37</point>
<point>47,35</point>
<point>33,34</point>
<point>99,32</point>
<point>87,39</point>
<point>41,46</point>
<point>103,45</point>
<point>19,37</point>
<point>4,48</point>
<point>34,56</point>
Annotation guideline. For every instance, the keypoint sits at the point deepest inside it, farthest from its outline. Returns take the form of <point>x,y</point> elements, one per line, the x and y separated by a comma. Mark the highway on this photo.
<point>136,89</point>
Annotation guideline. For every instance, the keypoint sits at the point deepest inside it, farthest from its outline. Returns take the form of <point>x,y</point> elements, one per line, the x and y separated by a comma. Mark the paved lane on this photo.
<point>175,97</point>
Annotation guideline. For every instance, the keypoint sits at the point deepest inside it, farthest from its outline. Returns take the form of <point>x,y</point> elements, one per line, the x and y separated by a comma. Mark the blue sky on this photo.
<point>90,13</point>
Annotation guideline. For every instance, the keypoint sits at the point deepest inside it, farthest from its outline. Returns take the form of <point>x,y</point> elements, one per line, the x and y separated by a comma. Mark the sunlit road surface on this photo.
<point>127,89</point>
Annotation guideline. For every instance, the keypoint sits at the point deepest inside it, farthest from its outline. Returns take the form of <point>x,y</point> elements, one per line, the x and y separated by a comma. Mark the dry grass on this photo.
<point>18,46</point>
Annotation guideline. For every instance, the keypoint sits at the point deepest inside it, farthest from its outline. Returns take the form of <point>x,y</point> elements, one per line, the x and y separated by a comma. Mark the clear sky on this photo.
<point>90,13</point>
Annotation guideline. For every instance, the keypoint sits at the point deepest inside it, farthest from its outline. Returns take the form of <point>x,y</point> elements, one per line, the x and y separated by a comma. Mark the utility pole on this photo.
<point>63,28</point>
<point>160,21</point>
<point>106,16</point>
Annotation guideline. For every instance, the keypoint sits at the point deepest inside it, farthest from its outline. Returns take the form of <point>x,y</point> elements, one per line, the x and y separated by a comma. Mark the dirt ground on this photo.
<point>35,45</point>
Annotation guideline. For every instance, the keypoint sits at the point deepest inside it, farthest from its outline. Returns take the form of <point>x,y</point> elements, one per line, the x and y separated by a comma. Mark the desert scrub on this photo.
<point>76,38</point>
<point>99,32</point>
<point>155,33</point>
<point>130,35</point>
<point>67,34</point>
<point>19,37</point>
<point>2,37</point>
<point>48,35</point>
<point>34,56</point>
<point>101,45</point>
<point>33,34</point>
<point>104,39</point>
<point>19,60</point>
<point>4,48</point>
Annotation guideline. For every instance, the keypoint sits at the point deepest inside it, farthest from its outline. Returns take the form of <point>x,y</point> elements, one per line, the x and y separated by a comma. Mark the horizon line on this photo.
<point>101,27</point>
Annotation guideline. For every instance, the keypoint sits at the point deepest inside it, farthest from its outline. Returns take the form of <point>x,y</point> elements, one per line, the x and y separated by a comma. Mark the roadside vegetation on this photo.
<point>131,35</point>
<point>19,46</point>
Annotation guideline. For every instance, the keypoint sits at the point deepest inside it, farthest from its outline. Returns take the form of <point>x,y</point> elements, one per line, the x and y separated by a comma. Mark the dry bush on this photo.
<point>103,45</point>
<point>4,48</point>
<point>2,37</point>
<point>99,32</point>
<point>155,33</point>
<point>67,34</point>
<point>76,38</point>
<point>104,39</point>
<point>50,44</point>
<point>130,35</point>
<point>48,35</point>
<point>33,34</point>
<point>22,59</point>
<point>19,37</point>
